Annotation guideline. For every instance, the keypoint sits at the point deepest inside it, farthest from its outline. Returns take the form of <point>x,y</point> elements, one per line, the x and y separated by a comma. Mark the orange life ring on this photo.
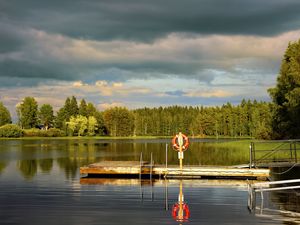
<point>175,143</point>
<point>186,212</point>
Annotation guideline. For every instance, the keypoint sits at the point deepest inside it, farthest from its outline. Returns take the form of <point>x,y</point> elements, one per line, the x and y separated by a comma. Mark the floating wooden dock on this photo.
<point>144,169</point>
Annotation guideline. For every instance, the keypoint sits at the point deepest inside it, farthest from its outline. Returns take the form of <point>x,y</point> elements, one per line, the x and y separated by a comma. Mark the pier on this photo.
<point>139,169</point>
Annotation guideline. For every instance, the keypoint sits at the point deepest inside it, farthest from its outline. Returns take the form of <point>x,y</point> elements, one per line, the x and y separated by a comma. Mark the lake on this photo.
<point>40,184</point>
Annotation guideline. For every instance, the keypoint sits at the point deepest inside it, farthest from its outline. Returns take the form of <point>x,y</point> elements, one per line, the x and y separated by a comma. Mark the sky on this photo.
<point>141,53</point>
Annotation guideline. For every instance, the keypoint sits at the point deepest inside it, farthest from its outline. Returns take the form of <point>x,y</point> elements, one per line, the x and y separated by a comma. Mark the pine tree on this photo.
<point>83,108</point>
<point>73,110</point>
<point>286,95</point>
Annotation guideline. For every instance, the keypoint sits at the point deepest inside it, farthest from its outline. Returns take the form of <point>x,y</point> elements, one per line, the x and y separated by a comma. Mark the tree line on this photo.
<point>249,118</point>
<point>277,119</point>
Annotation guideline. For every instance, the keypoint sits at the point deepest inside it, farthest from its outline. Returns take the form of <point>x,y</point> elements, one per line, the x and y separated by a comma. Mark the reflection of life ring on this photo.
<point>175,143</point>
<point>186,212</point>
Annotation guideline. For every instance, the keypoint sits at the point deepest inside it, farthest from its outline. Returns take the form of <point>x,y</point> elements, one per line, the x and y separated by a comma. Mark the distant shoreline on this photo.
<point>120,138</point>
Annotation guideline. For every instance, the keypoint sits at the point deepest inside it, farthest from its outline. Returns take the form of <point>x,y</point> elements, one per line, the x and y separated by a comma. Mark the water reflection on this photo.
<point>203,197</point>
<point>28,168</point>
<point>69,155</point>
<point>180,209</point>
<point>2,166</point>
<point>46,165</point>
<point>50,182</point>
<point>76,154</point>
<point>206,195</point>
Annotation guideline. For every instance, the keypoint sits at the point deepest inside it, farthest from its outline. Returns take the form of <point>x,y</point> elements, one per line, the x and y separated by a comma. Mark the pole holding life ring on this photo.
<point>180,140</point>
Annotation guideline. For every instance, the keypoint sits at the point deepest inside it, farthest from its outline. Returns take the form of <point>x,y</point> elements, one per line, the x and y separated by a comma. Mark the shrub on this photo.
<point>35,132</point>
<point>11,130</point>
<point>54,132</point>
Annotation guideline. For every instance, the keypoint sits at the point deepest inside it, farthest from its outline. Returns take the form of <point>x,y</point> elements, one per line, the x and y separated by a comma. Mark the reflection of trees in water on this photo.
<point>28,165</point>
<point>28,168</point>
<point>46,164</point>
<point>77,153</point>
<point>199,153</point>
<point>2,166</point>
<point>70,166</point>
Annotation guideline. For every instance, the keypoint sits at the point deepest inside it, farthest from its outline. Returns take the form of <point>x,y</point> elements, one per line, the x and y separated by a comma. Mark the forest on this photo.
<point>248,119</point>
<point>262,120</point>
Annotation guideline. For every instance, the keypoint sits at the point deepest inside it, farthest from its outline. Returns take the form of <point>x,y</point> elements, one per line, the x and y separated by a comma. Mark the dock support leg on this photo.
<point>141,165</point>
<point>166,156</point>
<point>151,168</point>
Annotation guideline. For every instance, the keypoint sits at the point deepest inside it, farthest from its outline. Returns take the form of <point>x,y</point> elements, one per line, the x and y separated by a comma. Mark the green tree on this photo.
<point>83,108</point>
<point>5,117</point>
<point>78,124</point>
<point>92,125</point>
<point>82,122</point>
<point>64,114</point>
<point>66,109</point>
<point>119,121</point>
<point>286,95</point>
<point>60,118</point>
<point>90,109</point>
<point>72,126</point>
<point>73,110</point>
<point>46,116</point>
<point>28,113</point>
<point>101,129</point>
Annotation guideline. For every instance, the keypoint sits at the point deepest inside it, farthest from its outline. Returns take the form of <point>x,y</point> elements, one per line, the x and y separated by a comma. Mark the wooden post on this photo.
<point>180,158</point>
<point>180,155</point>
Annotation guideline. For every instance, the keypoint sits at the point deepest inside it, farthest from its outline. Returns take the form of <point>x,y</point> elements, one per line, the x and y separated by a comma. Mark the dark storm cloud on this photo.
<point>34,70</point>
<point>36,37</point>
<point>10,38</point>
<point>145,20</point>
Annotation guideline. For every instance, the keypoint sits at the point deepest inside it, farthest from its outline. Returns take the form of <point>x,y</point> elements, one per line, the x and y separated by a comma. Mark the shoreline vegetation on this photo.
<point>123,138</point>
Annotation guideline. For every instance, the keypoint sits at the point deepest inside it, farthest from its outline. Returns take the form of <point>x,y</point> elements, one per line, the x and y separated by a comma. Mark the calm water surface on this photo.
<point>40,184</point>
